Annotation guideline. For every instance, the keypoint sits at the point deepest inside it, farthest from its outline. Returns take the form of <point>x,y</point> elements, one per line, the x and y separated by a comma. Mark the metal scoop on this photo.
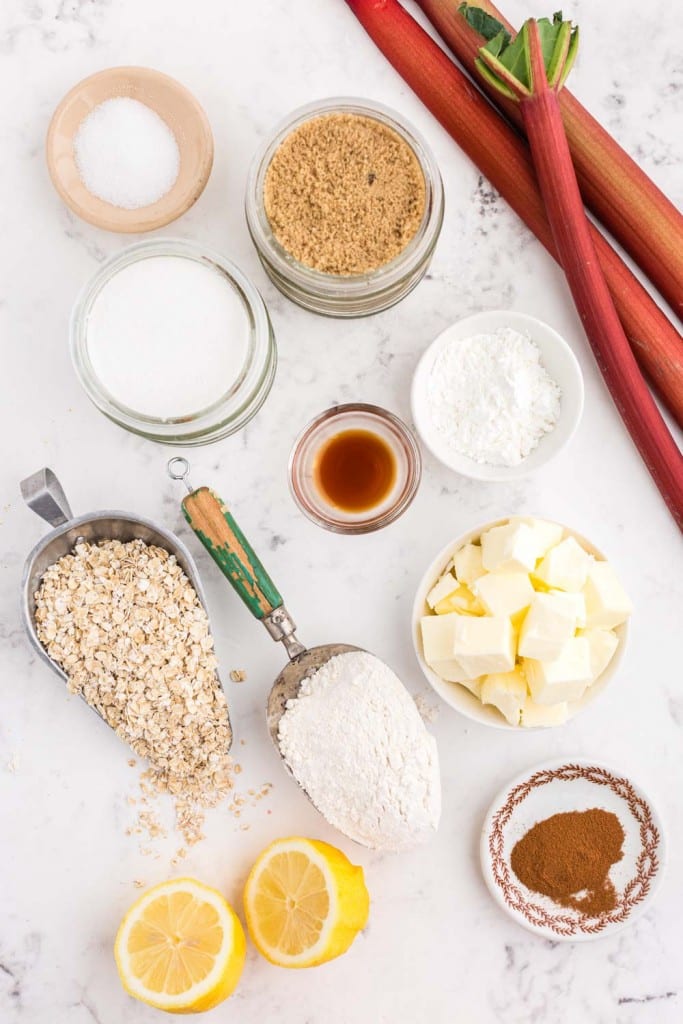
<point>43,493</point>
<point>234,556</point>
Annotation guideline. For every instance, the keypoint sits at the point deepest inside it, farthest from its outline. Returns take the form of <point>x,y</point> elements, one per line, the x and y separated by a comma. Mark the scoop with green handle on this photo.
<point>218,531</point>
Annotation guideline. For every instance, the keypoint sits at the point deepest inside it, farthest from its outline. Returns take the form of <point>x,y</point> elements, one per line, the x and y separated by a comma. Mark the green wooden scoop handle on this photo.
<point>231,551</point>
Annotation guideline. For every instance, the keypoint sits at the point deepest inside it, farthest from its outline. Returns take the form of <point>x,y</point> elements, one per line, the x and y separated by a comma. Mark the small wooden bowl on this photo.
<point>172,102</point>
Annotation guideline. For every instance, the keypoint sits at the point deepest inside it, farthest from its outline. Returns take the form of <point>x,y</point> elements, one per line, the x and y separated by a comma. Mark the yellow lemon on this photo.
<point>305,902</point>
<point>180,947</point>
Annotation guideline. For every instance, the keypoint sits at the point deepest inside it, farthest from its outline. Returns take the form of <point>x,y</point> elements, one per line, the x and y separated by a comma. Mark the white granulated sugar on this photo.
<point>126,154</point>
<point>168,336</point>
<point>355,742</point>
<point>490,397</point>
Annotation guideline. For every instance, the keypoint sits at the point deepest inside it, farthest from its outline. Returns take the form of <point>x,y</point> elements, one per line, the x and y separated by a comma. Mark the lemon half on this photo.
<point>180,947</point>
<point>305,902</point>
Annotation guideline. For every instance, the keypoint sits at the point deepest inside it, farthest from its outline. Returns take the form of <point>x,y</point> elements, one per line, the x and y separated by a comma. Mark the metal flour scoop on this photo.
<point>43,493</point>
<point>391,822</point>
<point>234,556</point>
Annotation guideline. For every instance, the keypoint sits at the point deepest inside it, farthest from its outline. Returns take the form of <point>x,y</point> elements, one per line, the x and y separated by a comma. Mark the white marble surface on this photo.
<point>436,949</point>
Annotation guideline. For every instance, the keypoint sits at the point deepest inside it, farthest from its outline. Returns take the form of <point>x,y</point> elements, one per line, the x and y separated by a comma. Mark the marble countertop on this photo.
<point>437,949</point>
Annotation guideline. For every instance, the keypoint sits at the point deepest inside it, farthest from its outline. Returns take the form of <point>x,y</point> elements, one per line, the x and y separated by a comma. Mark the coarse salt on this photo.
<point>490,397</point>
<point>355,742</point>
<point>126,154</point>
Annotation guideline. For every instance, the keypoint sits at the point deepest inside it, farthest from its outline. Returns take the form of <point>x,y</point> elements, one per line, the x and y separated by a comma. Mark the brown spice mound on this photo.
<point>344,194</point>
<point>568,857</point>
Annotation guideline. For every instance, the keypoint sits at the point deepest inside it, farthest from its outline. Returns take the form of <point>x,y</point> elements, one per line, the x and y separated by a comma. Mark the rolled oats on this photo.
<point>127,627</point>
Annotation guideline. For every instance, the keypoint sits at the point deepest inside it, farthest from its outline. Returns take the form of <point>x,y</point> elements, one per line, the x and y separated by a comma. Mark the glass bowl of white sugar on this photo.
<point>172,341</point>
<point>497,395</point>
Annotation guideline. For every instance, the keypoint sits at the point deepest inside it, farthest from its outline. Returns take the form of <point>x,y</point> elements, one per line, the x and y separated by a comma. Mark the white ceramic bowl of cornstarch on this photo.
<point>497,395</point>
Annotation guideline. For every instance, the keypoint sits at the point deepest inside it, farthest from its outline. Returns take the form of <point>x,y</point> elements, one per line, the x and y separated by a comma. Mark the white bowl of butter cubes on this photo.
<point>520,623</point>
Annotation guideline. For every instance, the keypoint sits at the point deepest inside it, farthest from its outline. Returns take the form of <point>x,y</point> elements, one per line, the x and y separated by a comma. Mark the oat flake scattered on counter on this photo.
<point>356,743</point>
<point>491,398</point>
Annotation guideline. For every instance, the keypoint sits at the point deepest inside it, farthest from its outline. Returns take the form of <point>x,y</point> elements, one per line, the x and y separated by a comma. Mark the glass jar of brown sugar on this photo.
<point>345,205</point>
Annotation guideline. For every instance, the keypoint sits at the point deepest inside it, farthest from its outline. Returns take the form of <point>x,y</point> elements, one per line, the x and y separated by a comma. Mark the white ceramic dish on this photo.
<point>554,788</point>
<point>557,358</point>
<point>456,695</point>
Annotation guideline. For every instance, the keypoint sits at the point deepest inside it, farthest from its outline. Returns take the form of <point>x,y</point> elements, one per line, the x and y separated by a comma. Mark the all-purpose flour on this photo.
<point>490,397</point>
<point>355,741</point>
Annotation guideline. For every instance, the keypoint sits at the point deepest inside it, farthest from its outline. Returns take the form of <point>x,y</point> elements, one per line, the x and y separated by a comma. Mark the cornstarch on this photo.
<point>491,398</point>
<point>356,743</point>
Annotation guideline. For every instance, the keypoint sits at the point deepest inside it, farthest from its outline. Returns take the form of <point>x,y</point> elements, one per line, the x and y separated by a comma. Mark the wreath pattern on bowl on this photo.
<point>634,892</point>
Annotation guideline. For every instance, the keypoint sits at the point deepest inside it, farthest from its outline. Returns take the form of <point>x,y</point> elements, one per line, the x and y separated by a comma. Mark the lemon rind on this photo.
<point>201,989</point>
<point>314,954</point>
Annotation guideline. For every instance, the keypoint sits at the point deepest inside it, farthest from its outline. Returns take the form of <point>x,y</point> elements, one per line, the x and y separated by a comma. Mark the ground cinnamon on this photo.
<point>567,857</point>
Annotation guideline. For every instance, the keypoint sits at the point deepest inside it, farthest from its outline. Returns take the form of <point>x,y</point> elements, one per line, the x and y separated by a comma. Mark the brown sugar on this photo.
<point>344,194</point>
<point>568,857</point>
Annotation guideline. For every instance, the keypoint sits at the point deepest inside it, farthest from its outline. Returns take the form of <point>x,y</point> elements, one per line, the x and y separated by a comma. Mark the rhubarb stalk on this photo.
<point>531,70</point>
<point>501,155</point>
<point>618,192</point>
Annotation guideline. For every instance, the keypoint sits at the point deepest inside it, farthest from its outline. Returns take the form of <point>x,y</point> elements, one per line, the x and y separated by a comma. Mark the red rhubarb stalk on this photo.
<point>618,192</point>
<point>504,159</point>
<point>531,70</point>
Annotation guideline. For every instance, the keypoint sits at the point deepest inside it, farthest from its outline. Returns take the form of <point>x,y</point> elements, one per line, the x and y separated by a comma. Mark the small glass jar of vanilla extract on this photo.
<point>355,468</point>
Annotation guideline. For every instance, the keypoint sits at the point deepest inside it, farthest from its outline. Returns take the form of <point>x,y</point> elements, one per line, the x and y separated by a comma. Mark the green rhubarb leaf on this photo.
<point>498,43</point>
<point>559,40</point>
<point>515,58</point>
<point>484,23</point>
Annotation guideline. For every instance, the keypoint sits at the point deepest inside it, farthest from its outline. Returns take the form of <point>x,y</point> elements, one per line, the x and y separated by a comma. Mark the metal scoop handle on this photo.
<point>216,528</point>
<point>43,493</point>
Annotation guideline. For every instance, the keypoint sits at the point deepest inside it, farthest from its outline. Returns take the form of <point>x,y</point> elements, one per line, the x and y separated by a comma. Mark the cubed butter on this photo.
<point>547,626</point>
<point>602,644</point>
<point>462,600</point>
<point>607,604</point>
<point>578,602</point>
<point>483,645</point>
<point>473,685</point>
<point>509,548</point>
<point>442,588</point>
<point>507,691</point>
<point>504,593</point>
<point>468,564</point>
<point>565,566</point>
<point>563,679</point>
<point>544,715</point>
<point>546,534</point>
<point>437,644</point>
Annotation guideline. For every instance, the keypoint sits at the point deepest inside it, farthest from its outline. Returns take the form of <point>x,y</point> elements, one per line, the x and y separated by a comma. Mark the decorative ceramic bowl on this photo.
<point>554,788</point>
